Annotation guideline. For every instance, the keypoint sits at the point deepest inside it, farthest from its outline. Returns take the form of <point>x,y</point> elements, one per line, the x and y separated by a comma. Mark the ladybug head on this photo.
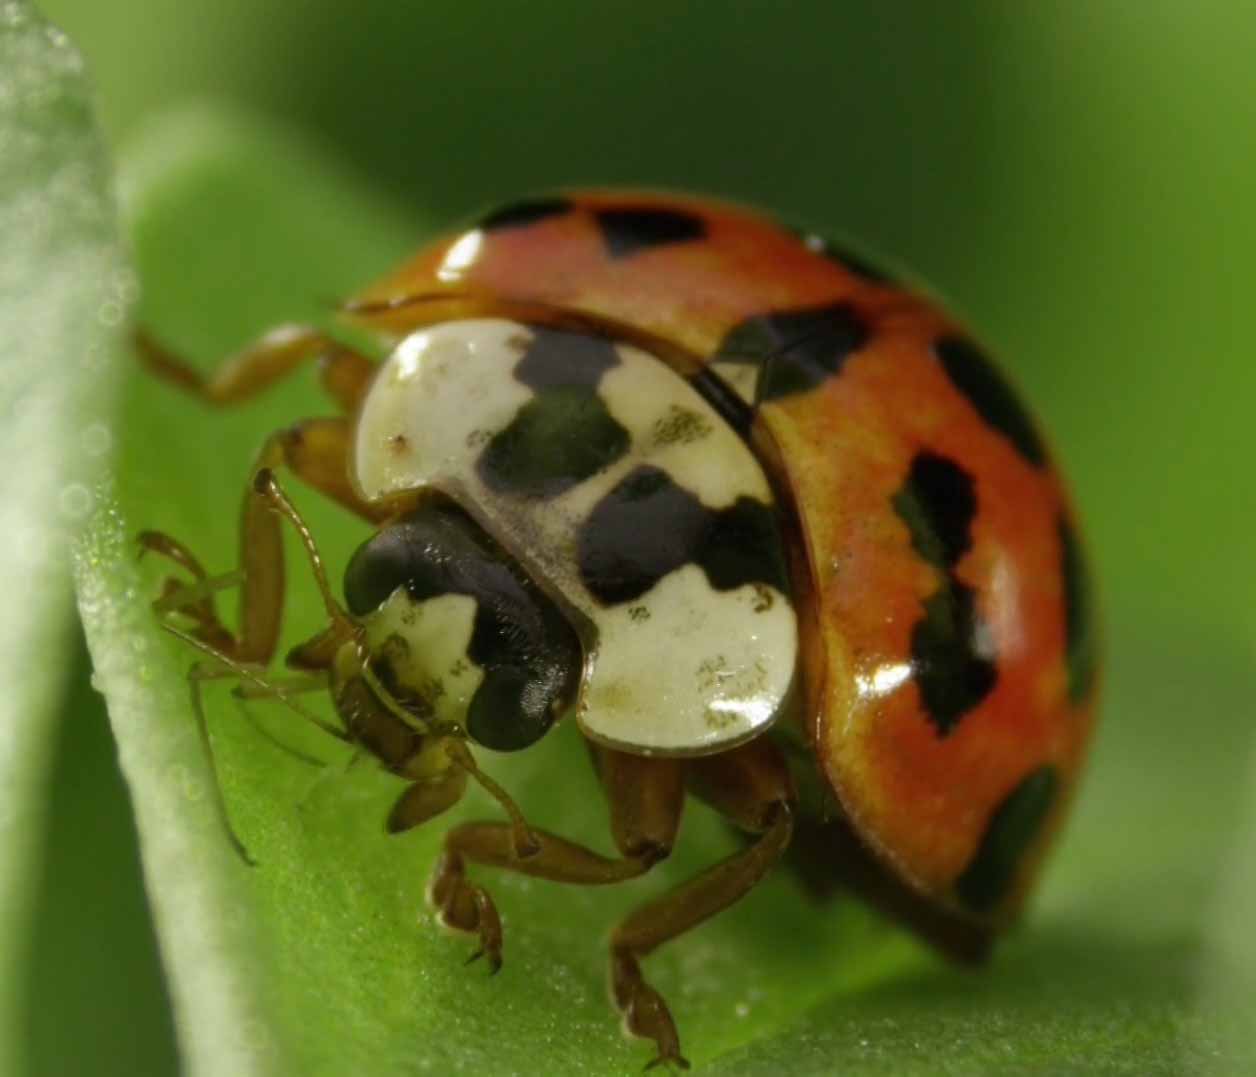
<point>458,632</point>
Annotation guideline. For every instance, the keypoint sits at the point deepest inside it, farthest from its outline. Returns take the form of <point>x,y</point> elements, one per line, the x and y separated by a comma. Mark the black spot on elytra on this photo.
<point>522,214</point>
<point>796,349</point>
<point>1078,620</point>
<point>564,434</point>
<point>1015,824</point>
<point>949,656</point>
<point>647,527</point>
<point>938,504</point>
<point>951,648</point>
<point>977,378</point>
<point>627,231</point>
<point>530,654</point>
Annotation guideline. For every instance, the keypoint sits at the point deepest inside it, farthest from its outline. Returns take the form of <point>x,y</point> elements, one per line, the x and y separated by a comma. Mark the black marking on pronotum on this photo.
<point>565,433</point>
<point>1078,618</point>
<point>648,526</point>
<point>1016,822</point>
<point>978,379</point>
<point>529,653</point>
<point>951,647</point>
<point>626,231</point>
<point>522,214</point>
<point>796,349</point>
<point>554,359</point>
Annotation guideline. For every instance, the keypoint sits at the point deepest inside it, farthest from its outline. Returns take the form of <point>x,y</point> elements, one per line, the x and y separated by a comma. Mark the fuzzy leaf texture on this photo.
<point>63,293</point>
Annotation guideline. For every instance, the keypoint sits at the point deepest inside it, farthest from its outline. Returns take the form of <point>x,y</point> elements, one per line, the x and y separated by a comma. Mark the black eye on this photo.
<point>436,550</point>
<point>530,654</point>
<point>508,712</point>
<point>378,567</point>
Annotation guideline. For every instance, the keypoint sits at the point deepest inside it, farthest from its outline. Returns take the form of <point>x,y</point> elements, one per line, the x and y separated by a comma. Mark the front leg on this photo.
<point>749,785</point>
<point>646,796</point>
<point>317,452</point>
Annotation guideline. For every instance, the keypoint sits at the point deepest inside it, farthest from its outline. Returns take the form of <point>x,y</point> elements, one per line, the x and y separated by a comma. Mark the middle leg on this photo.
<point>646,796</point>
<point>751,787</point>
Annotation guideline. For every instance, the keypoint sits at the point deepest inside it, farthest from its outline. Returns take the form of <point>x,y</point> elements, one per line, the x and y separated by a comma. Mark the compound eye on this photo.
<point>379,566</point>
<point>512,709</point>
<point>528,652</point>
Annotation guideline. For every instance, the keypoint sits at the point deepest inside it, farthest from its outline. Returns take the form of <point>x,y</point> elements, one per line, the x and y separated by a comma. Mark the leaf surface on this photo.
<point>62,298</point>
<point>324,958</point>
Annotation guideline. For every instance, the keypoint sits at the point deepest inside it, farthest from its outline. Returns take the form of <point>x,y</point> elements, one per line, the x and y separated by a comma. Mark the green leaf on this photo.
<point>62,298</point>
<point>324,958</point>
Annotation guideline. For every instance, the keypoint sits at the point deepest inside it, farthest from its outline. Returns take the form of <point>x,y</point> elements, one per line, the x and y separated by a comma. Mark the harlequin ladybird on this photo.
<point>770,529</point>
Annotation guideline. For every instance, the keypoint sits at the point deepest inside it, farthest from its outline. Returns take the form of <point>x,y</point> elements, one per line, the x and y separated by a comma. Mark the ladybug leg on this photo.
<point>273,356</point>
<point>194,601</point>
<point>646,798</point>
<point>222,666</point>
<point>196,675</point>
<point>316,451</point>
<point>425,799</point>
<point>279,690</point>
<point>749,785</point>
<point>464,906</point>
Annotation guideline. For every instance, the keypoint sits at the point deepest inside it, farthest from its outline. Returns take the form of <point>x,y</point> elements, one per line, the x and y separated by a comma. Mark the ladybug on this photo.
<point>772,530</point>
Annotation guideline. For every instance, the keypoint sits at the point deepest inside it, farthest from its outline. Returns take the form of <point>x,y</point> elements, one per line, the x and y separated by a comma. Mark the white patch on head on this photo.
<point>693,669</point>
<point>426,644</point>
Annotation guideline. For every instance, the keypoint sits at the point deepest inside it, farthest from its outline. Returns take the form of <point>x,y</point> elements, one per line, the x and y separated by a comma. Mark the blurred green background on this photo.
<point>1075,177</point>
